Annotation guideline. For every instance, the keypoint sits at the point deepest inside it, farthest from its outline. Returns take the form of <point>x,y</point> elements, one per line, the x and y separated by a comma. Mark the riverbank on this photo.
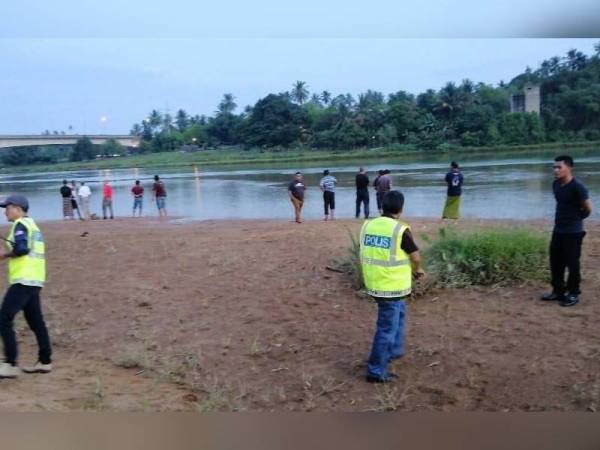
<point>171,160</point>
<point>245,315</point>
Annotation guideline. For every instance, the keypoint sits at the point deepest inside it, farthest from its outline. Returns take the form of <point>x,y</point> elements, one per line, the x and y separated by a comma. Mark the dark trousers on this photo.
<point>565,251</point>
<point>362,197</point>
<point>328,201</point>
<point>25,298</point>
<point>379,196</point>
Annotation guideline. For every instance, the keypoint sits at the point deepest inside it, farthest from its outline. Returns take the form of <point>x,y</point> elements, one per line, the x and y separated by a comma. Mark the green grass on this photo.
<point>496,256</point>
<point>238,156</point>
<point>499,256</point>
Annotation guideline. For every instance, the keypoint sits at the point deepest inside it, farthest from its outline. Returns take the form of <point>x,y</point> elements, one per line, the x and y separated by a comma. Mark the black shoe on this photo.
<point>390,378</point>
<point>570,300</point>
<point>553,296</point>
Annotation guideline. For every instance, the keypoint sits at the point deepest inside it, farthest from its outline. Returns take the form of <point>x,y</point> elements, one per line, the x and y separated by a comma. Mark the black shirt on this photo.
<point>408,244</point>
<point>455,182</point>
<point>569,198</point>
<point>65,191</point>
<point>362,182</point>
<point>20,246</point>
<point>297,189</point>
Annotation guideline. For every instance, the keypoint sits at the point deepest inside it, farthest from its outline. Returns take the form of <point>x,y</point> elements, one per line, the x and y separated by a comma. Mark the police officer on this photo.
<point>389,258</point>
<point>26,276</point>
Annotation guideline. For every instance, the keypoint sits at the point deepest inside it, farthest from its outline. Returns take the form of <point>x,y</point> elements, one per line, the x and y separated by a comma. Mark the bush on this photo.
<point>500,256</point>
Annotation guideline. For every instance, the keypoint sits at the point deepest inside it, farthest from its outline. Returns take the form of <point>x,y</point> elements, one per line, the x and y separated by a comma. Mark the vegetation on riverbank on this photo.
<point>494,256</point>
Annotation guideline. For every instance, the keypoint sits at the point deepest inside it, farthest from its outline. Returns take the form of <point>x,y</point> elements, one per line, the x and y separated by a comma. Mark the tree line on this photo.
<point>466,114</point>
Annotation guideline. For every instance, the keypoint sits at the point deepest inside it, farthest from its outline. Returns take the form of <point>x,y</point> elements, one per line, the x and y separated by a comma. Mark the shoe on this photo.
<point>38,367</point>
<point>553,296</point>
<point>9,371</point>
<point>570,300</point>
<point>389,379</point>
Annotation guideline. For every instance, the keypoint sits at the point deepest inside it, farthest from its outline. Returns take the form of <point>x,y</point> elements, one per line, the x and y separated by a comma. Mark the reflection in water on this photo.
<point>494,188</point>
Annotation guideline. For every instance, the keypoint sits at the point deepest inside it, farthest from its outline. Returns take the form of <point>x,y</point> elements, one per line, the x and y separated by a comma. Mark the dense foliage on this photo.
<point>466,114</point>
<point>502,256</point>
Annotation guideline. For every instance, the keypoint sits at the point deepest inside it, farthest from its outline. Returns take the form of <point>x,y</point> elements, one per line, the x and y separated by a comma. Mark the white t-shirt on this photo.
<point>84,191</point>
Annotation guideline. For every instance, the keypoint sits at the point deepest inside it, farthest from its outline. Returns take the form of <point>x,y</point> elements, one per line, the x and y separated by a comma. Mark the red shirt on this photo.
<point>138,191</point>
<point>107,191</point>
<point>159,189</point>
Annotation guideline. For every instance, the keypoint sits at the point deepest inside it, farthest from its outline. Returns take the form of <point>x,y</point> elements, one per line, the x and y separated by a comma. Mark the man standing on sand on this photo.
<point>454,180</point>
<point>362,192</point>
<point>26,276</point>
<point>75,199</point>
<point>84,195</point>
<point>327,186</point>
<point>65,192</point>
<point>296,190</point>
<point>159,194</point>
<point>573,205</point>
<point>107,197</point>
<point>389,258</point>
<point>384,184</point>
<point>138,197</point>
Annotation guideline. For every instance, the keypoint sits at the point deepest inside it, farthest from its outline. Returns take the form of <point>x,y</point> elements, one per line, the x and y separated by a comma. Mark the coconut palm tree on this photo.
<point>326,97</point>
<point>300,92</point>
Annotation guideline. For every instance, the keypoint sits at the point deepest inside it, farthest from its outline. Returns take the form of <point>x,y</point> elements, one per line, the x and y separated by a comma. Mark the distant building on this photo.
<point>528,100</point>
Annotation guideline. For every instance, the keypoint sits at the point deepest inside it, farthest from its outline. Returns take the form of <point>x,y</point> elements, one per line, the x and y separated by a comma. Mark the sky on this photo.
<point>65,63</point>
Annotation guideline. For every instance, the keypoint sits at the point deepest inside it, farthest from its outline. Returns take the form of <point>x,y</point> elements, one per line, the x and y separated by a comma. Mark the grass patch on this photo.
<point>496,256</point>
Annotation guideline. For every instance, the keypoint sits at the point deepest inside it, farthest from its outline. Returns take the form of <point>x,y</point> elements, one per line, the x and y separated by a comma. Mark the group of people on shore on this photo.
<point>389,257</point>
<point>382,184</point>
<point>76,199</point>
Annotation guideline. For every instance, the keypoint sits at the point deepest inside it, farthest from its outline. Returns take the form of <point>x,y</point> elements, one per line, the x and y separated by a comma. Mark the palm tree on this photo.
<point>136,130</point>
<point>325,97</point>
<point>227,105</point>
<point>300,91</point>
<point>154,119</point>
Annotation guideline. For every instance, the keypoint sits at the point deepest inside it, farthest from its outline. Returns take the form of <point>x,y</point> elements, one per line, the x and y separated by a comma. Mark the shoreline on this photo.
<point>226,157</point>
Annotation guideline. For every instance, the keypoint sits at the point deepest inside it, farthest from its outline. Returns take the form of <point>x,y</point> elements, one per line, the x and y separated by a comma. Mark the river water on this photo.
<point>495,187</point>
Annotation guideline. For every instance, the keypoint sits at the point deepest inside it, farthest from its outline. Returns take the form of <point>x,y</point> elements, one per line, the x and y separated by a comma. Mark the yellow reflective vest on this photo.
<point>386,268</point>
<point>30,269</point>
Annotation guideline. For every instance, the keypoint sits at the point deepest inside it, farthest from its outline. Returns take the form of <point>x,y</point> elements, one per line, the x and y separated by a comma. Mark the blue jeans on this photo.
<point>388,342</point>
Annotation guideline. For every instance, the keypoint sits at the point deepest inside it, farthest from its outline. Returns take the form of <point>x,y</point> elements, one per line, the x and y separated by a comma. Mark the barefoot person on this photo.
<point>572,206</point>
<point>454,181</point>
<point>138,197</point>
<point>389,257</point>
<point>327,186</point>
<point>26,276</point>
<point>159,194</point>
<point>296,190</point>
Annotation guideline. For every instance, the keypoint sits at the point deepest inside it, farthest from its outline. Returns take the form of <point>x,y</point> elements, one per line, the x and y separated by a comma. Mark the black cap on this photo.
<point>17,200</point>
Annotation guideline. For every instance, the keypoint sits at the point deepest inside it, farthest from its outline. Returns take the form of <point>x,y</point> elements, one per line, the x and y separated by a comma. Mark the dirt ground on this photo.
<point>245,316</point>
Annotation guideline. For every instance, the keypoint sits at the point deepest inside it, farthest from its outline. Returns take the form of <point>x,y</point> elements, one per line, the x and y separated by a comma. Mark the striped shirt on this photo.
<point>328,183</point>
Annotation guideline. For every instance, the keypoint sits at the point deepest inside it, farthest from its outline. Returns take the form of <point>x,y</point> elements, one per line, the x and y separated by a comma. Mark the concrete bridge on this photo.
<point>63,139</point>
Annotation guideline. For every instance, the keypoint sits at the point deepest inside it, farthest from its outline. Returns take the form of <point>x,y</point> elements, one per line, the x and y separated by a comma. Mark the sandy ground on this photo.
<point>243,315</point>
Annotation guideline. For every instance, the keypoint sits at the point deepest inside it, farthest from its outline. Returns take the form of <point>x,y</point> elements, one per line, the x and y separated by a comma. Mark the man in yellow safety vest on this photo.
<point>26,276</point>
<point>389,258</point>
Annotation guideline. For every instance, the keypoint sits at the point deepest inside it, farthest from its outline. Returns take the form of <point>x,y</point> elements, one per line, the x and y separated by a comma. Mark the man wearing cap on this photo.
<point>26,276</point>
